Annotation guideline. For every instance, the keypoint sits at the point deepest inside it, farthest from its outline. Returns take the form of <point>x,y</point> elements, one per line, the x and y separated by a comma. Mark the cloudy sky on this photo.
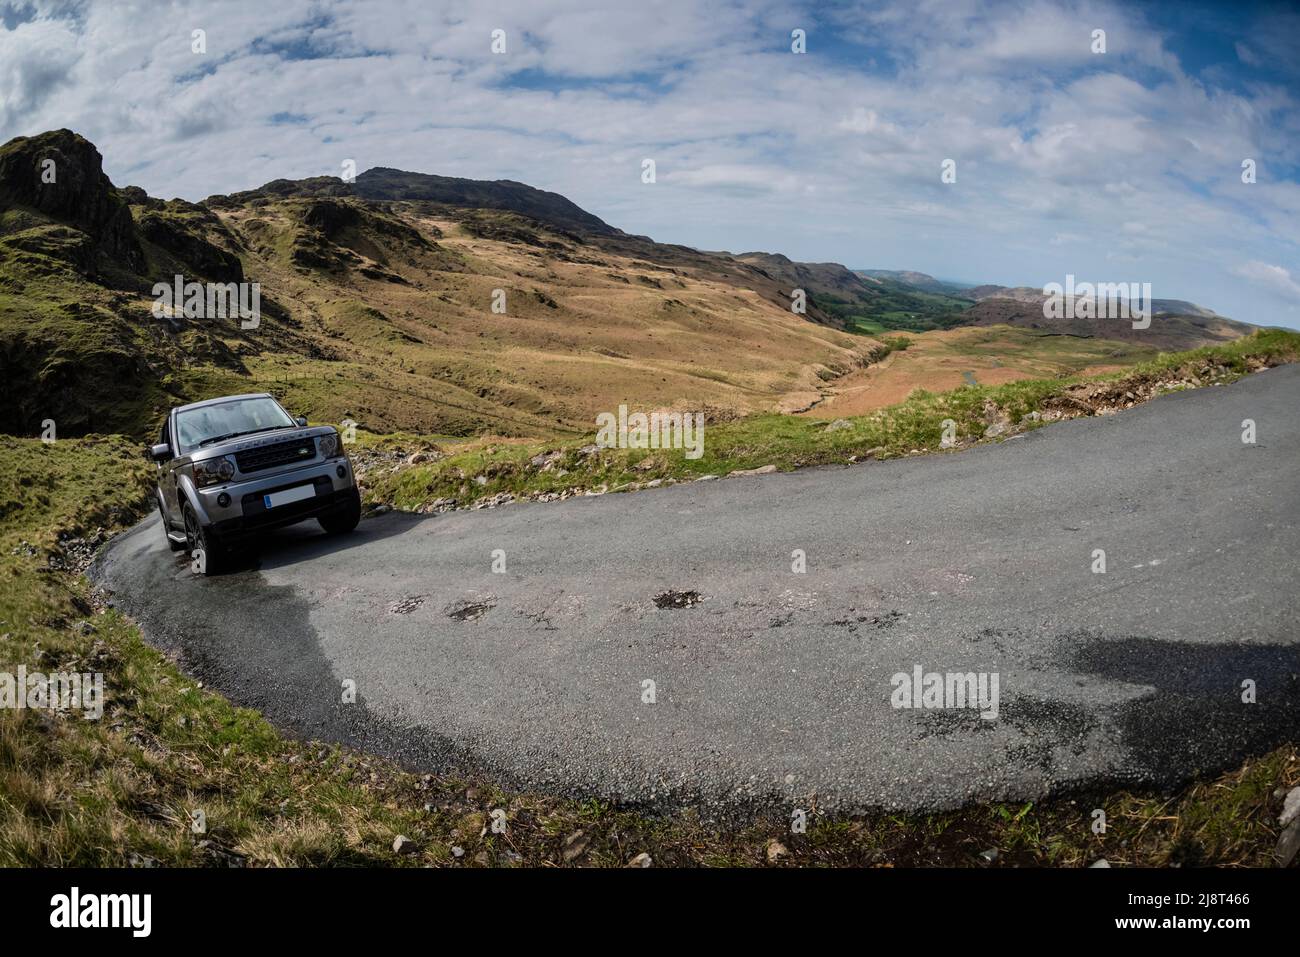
<point>1117,166</point>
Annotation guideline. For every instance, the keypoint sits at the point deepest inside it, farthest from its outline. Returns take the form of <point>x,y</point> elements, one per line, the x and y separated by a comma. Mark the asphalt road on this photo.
<point>777,685</point>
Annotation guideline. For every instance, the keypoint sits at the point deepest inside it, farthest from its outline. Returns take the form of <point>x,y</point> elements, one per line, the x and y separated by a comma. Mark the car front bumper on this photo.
<point>245,512</point>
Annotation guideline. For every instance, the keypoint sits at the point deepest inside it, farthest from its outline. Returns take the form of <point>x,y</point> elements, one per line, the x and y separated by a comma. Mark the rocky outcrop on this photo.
<point>79,195</point>
<point>281,189</point>
<point>382,183</point>
<point>181,234</point>
<point>182,240</point>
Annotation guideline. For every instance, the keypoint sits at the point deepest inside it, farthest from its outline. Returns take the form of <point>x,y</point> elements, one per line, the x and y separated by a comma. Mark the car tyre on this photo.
<point>346,518</point>
<point>200,536</point>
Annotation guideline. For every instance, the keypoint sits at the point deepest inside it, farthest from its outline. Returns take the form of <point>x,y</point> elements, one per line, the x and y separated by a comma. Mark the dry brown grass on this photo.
<point>578,337</point>
<point>943,360</point>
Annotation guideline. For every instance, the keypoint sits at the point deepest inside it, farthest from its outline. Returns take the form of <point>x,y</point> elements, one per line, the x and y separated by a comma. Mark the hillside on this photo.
<point>918,280</point>
<point>379,308</point>
<point>972,355</point>
<point>861,302</point>
<point>1175,325</point>
<point>506,195</point>
<point>1165,307</point>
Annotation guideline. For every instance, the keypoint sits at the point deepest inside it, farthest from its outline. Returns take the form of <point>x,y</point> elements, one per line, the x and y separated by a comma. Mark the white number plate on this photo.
<point>296,494</point>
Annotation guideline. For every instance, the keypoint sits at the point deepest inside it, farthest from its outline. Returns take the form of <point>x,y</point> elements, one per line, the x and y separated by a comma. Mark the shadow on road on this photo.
<point>1197,717</point>
<point>305,541</point>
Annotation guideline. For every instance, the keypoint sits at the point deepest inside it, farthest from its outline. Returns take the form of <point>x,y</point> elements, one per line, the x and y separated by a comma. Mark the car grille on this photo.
<point>282,453</point>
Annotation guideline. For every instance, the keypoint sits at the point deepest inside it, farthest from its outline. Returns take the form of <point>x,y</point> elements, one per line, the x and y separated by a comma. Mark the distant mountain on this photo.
<point>382,183</point>
<point>1166,307</point>
<point>1018,293</point>
<point>863,302</point>
<point>1181,307</point>
<point>917,280</point>
<point>1175,325</point>
<point>823,278</point>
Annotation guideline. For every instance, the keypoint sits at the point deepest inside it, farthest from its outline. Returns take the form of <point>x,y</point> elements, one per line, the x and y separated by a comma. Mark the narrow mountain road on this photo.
<point>776,685</point>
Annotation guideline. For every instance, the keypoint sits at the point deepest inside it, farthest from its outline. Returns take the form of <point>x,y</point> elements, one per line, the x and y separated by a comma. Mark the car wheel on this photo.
<point>346,518</point>
<point>171,542</point>
<point>199,537</point>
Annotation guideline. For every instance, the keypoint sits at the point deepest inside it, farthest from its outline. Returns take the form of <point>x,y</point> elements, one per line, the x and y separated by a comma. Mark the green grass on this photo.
<point>895,306</point>
<point>863,326</point>
<point>1009,343</point>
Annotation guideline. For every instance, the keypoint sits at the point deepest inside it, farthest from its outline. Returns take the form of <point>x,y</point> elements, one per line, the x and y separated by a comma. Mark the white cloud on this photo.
<point>36,59</point>
<point>736,176</point>
<point>1276,279</point>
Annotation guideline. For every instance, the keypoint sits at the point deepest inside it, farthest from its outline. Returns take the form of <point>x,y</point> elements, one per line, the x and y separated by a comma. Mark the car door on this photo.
<point>167,475</point>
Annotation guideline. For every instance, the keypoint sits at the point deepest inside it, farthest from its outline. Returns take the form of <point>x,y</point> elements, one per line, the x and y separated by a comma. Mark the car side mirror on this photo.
<point>301,420</point>
<point>160,453</point>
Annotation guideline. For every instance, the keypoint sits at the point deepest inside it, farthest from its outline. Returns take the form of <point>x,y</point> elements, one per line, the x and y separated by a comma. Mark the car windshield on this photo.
<point>236,417</point>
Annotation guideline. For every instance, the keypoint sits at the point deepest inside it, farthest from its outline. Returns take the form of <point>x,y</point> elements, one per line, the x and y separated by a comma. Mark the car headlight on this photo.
<point>330,445</point>
<point>214,471</point>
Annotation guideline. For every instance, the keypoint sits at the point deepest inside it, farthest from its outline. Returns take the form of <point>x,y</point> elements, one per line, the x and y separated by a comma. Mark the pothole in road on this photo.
<point>678,599</point>
<point>469,610</point>
<point>406,605</point>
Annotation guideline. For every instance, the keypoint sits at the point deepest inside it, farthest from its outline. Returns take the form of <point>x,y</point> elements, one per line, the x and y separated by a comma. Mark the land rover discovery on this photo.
<point>233,467</point>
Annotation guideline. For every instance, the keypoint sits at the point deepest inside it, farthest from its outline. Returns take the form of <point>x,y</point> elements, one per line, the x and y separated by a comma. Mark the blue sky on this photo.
<point>1115,166</point>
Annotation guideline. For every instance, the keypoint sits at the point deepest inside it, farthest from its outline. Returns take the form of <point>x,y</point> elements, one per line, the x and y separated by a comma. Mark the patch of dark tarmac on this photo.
<point>677,599</point>
<point>469,610</point>
<point>945,722</point>
<point>1194,719</point>
<point>406,605</point>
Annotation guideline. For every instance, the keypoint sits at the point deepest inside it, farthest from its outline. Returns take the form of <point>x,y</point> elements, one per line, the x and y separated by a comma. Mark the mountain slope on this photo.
<point>1175,325</point>
<point>78,345</point>
<point>973,355</point>
<point>860,302</point>
<point>515,213</point>
<point>1169,307</point>
<point>381,309</point>
<point>382,183</point>
<point>917,280</point>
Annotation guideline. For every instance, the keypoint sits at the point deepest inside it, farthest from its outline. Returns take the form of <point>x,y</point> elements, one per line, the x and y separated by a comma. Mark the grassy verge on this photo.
<point>122,790</point>
<point>406,473</point>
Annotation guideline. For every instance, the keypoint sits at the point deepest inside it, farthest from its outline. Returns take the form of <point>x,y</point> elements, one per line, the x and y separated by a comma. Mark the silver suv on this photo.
<point>230,468</point>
